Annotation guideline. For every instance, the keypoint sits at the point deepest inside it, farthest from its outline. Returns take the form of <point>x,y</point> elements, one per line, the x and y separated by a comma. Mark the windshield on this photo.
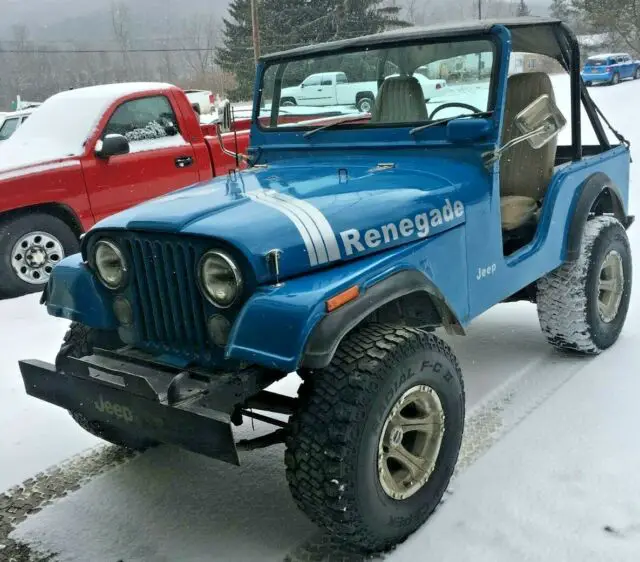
<point>396,85</point>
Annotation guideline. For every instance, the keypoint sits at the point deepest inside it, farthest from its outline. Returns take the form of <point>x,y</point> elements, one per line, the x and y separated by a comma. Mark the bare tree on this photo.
<point>121,26</point>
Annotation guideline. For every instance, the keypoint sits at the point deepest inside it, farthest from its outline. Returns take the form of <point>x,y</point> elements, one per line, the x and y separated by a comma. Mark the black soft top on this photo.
<point>529,34</point>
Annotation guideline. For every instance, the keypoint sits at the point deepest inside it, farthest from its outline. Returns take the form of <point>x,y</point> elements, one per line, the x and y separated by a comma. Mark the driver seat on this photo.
<point>525,172</point>
<point>400,100</point>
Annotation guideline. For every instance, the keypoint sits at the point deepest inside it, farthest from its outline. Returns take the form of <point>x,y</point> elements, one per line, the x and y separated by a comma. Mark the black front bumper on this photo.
<point>132,393</point>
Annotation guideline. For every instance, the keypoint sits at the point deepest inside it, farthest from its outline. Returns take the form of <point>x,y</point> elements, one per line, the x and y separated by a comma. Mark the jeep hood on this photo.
<point>316,214</point>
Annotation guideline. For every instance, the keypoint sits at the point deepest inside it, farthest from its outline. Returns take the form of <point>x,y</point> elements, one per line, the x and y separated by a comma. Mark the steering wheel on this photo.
<point>454,104</point>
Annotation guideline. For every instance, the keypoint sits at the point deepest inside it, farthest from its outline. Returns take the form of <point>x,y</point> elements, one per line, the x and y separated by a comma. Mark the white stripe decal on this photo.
<point>260,198</point>
<point>319,220</point>
<point>312,228</point>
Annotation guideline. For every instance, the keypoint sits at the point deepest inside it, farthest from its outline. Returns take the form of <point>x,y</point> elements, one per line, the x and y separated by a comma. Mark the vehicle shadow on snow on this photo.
<point>168,504</point>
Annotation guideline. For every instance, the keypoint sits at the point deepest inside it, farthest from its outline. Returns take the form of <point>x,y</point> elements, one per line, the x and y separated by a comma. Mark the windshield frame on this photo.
<point>489,36</point>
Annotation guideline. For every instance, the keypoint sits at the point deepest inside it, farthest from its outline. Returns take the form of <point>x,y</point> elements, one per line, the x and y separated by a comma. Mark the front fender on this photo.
<point>276,323</point>
<point>74,293</point>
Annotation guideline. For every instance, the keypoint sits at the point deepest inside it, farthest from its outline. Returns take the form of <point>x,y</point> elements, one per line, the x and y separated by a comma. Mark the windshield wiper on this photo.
<point>447,119</point>
<point>346,120</point>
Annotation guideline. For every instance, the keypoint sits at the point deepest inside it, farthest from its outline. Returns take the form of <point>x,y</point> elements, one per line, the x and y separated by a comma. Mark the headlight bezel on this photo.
<point>120,255</point>
<point>235,270</point>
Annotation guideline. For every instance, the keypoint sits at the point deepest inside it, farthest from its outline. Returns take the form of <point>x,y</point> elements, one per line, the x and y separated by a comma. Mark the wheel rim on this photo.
<point>34,256</point>
<point>365,106</point>
<point>610,286</point>
<point>410,442</point>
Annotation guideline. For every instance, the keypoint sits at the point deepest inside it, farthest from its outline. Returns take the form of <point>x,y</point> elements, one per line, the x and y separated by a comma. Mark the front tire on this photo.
<point>377,436</point>
<point>582,305</point>
<point>30,247</point>
<point>78,342</point>
<point>288,102</point>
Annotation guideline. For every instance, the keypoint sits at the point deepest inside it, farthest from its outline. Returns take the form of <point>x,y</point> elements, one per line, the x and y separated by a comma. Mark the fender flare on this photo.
<point>327,334</point>
<point>592,189</point>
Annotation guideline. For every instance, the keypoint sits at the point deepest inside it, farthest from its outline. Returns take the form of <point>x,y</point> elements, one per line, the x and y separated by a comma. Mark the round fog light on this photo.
<point>123,311</point>
<point>219,328</point>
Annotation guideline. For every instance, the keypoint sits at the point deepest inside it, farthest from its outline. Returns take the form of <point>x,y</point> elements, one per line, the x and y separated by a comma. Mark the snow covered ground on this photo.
<point>548,469</point>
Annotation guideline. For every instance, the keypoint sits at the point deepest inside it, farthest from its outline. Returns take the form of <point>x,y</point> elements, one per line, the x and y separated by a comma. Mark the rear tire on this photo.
<point>78,342</point>
<point>288,102</point>
<point>365,104</point>
<point>30,246</point>
<point>582,306</point>
<point>361,414</point>
<point>615,79</point>
<point>636,74</point>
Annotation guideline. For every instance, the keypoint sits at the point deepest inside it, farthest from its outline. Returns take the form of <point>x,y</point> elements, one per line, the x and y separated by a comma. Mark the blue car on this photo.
<point>337,252</point>
<point>610,69</point>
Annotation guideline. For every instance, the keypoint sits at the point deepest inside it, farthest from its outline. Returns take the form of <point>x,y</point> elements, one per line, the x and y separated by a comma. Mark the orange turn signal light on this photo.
<point>343,298</point>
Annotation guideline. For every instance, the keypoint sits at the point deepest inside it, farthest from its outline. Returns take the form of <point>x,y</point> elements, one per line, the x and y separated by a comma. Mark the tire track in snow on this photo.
<point>17,503</point>
<point>487,422</point>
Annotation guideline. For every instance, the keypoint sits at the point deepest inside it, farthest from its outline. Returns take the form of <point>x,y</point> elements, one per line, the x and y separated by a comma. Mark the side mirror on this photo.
<point>171,129</point>
<point>112,145</point>
<point>224,124</point>
<point>224,116</point>
<point>540,121</point>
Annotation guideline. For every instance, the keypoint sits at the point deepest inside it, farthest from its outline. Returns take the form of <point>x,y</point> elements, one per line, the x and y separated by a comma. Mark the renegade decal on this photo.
<point>419,225</point>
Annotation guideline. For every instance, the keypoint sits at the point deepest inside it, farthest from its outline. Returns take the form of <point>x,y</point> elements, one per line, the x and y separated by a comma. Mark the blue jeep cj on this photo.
<point>337,253</point>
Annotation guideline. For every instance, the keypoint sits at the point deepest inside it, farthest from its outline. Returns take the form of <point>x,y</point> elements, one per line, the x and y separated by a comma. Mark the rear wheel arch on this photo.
<point>598,196</point>
<point>364,94</point>
<point>406,298</point>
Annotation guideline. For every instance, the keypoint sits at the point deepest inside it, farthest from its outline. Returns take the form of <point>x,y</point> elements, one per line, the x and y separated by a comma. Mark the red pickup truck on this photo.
<point>87,153</point>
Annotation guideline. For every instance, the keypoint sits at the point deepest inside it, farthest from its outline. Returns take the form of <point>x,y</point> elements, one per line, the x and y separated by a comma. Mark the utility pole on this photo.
<point>479,54</point>
<point>256,31</point>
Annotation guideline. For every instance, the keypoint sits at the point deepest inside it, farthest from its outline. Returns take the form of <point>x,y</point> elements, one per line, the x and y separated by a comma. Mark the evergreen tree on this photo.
<point>286,24</point>
<point>562,10</point>
<point>236,56</point>
<point>523,9</point>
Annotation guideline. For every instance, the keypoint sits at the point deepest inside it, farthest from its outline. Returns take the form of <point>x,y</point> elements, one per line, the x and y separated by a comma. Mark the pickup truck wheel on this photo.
<point>582,306</point>
<point>287,102</point>
<point>365,104</point>
<point>374,444</point>
<point>30,246</point>
<point>78,342</point>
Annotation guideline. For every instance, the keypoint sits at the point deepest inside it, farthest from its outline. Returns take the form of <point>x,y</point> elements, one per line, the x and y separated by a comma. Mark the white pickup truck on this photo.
<point>9,122</point>
<point>333,88</point>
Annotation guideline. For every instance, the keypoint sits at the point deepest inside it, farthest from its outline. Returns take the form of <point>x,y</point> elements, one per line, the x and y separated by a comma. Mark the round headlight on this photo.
<point>220,279</point>
<point>110,264</point>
